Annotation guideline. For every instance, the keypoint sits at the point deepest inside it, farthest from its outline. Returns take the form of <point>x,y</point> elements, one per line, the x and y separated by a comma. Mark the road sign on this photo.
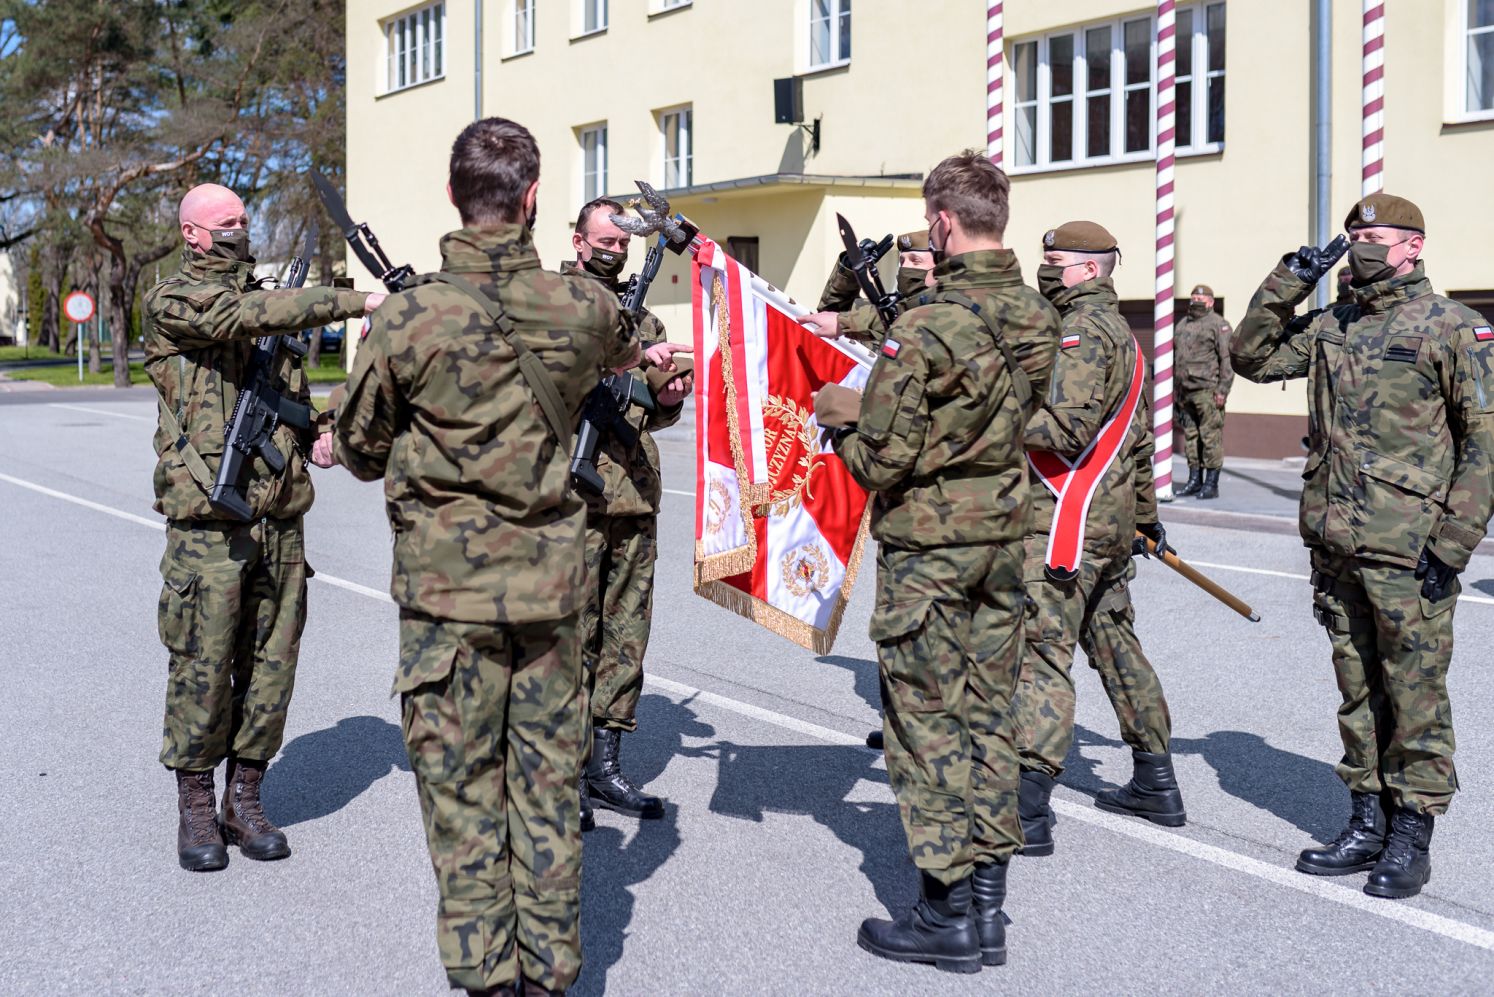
<point>78,306</point>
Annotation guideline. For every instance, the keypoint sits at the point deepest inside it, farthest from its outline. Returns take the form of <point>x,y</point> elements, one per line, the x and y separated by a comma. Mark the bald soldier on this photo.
<point>1093,428</point>
<point>234,599</point>
<point>1396,496</point>
<point>1200,347</point>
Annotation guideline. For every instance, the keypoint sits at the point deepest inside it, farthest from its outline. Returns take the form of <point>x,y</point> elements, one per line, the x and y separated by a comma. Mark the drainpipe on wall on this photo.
<point>1322,136</point>
<point>476,60</point>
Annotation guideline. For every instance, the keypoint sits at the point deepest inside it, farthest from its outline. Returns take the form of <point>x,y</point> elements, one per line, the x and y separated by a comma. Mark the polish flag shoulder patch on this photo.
<point>1069,341</point>
<point>890,348</point>
<point>1483,333</point>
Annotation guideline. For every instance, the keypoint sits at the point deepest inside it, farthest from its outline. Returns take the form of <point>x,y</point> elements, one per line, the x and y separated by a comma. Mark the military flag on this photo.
<point>779,522</point>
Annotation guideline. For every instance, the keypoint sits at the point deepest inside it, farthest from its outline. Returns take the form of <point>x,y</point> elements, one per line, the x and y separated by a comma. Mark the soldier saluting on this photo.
<point>234,600</point>
<point>1396,495</point>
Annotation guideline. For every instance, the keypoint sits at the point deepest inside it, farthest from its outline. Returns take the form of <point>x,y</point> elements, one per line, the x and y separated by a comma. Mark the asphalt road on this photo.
<point>781,833</point>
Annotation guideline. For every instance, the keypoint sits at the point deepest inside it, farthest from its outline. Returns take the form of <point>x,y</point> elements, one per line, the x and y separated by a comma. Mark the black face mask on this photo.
<point>1197,309</point>
<point>230,244</point>
<point>1050,280</point>
<point>605,263</point>
<point>910,281</point>
<point>534,213</point>
<point>937,252</point>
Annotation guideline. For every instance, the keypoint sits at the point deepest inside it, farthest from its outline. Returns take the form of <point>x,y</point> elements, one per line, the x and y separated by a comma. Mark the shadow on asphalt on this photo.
<point>1302,791</point>
<point>612,864</point>
<point>868,682</point>
<point>1295,494</point>
<point>320,773</point>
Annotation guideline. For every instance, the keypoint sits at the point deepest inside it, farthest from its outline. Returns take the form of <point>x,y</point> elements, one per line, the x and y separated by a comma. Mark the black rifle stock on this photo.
<point>261,408</point>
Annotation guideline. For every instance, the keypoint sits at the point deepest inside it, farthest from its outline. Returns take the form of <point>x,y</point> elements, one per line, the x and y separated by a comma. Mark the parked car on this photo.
<point>331,338</point>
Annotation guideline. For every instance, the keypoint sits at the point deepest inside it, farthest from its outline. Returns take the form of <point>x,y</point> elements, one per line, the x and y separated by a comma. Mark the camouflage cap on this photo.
<point>1203,289</point>
<point>1079,237</point>
<point>914,242</point>
<point>1387,210</point>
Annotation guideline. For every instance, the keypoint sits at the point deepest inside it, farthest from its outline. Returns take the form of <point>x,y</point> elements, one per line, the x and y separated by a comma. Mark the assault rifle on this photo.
<point>861,259</point>
<point>262,407</point>
<point>607,405</point>
<point>361,238</point>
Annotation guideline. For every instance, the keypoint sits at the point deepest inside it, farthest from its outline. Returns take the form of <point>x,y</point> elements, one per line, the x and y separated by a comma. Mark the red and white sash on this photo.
<point>1073,483</point>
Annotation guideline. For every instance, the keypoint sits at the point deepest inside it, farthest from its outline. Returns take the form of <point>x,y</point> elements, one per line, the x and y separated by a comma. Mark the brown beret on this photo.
<point>1387,210</point>
<point>658,378</point>
<point>1079,237</point>
<point>1203,289</point>
<point>914,242</point>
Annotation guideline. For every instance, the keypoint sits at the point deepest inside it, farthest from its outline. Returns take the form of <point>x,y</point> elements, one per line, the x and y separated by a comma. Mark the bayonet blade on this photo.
<point>854,257</point>
<point>332,201</point>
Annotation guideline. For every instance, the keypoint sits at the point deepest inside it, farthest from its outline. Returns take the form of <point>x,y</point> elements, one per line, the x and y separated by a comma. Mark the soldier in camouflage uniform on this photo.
<point>489,560</point>
<point>1201,370</point>
<point>937,437</point>
<point>621,538</point>
<point>1396,496</point>
<point>1092,608</point>
<point>234,599</point>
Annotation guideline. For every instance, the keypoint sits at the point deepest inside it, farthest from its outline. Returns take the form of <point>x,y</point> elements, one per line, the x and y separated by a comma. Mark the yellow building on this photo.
<point>681,93</point>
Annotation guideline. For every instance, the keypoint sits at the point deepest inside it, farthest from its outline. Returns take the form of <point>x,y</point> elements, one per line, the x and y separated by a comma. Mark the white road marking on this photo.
<point>675,491</point>
<point>1390,910</point>
<point>102,411</point>
<point>1481,600</point>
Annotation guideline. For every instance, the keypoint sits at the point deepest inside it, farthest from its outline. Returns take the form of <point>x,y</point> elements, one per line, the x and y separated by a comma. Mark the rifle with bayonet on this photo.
<point>861,258</point>
<point>262,406</point>
<point>361,238</point>
<point>606,408</point>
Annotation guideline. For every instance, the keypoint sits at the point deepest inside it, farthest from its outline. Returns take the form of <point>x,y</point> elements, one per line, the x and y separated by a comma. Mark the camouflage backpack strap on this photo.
<point>530,365</point>
<point>1020,380</point>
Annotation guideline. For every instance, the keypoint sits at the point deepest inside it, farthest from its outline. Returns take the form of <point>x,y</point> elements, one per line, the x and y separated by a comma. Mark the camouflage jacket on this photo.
<point>487,528</point>
<point>940,434</point>
<point>859,320</point>
<point>1200,354</point>
<point>1399,414</point>
<point>200,327</point>
<point>1090,379</point>
<point>630,476</point>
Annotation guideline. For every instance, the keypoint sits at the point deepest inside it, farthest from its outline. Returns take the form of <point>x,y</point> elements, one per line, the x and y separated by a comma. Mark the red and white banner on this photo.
<point>779,522</point>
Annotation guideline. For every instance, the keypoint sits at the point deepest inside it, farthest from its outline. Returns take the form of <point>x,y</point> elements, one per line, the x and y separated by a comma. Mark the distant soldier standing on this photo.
<point>621,536</point>
<point>1202,373</point>
<point>473,442</point>
<point>938,438</point>
<point>234,600</point>
<point>1396,495</point>
<point>1093,427</point>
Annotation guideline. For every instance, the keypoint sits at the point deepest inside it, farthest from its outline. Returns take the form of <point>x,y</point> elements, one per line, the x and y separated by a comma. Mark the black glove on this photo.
<point>1309,264</point>
<point>1153,532</point>
<point>1436,577</point>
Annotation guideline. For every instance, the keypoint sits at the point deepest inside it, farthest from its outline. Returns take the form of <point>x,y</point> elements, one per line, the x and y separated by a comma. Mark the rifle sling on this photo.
<point>195,464</point>
<point>530,365</point>
<point>1020,380</point>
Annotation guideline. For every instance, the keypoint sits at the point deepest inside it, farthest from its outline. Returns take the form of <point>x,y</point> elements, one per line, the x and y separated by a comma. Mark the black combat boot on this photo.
<point>1152,792</point>
<point>244,821</point>
<point>1357,846</point>
<point>1036,815</point>
<point>609,788</point>
<point>988,887</point>
<point>199,843</point>
<point>502,990</point>
<point>875,740</point>
<point>588,820</point>
<point>1406,864</point>
<point>937,930</point>
<point>1210,489</point>
<point>1193,484</point>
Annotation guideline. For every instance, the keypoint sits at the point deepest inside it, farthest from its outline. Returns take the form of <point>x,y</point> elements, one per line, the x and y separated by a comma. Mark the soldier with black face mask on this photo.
<point>621,536</point>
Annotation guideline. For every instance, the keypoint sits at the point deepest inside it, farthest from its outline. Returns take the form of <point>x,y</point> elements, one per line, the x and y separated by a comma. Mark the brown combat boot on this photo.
<point>244,821</point>
<point>199,844</point>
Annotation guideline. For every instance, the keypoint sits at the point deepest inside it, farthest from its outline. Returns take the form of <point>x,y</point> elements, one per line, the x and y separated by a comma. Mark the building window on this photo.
<point>743,249</point>
<point>672,4</point>
<point>593,16</point>
<point>523,36</point>
<point>593,162</point>
<point>678,128</point>
<point>1479,49</point>
<point>413,47</point>
<point>1086,96</point>
<point>829,33</point>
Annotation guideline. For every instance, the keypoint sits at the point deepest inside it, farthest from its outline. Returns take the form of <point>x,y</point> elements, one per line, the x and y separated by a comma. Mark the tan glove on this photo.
<point>836,406</point>
<point>658,377</point>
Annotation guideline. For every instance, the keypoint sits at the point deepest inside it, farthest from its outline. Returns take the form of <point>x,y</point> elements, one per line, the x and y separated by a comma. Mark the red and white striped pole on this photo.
<point>1372,175</point>
<point>995,80</point>
<point>1163,310</point>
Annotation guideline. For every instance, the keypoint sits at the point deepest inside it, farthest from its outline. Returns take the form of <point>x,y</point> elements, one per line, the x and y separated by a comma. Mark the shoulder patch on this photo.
<point>891,348</point>
<point>1483,333</point>
<point>1069,340</point>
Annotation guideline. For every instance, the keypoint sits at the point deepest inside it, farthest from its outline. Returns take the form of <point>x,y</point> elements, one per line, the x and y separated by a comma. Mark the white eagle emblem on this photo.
<point>1368,212</point>
<point>1049,238</point>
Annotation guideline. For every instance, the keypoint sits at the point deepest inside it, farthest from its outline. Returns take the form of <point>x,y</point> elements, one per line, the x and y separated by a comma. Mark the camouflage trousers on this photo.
<point>492,719</point>
<point>1391,649</point>
<point>1203,429</point>
<point>1095,612</point>
<point>620,554</point>
<point>232,608</point>
<point>948,630</point>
